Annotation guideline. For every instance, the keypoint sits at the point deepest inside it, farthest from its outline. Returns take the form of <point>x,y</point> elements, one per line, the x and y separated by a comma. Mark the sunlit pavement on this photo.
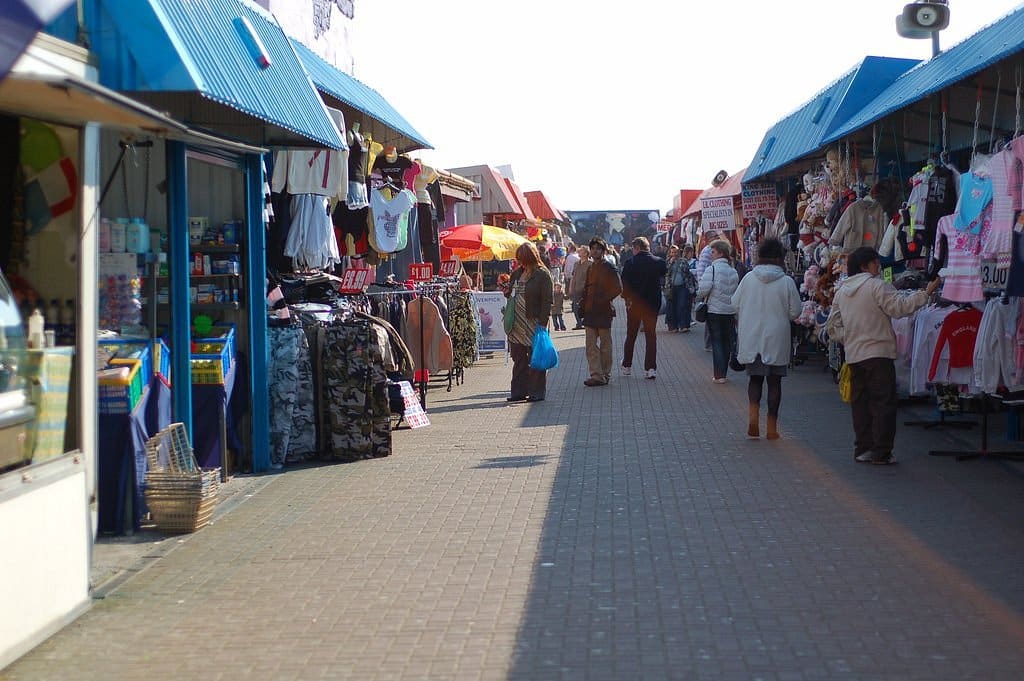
<point>620,532</point>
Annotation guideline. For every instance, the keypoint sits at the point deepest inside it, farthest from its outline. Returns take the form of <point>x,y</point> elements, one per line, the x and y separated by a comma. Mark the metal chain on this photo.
<point>977,123</point>
<point>995,108</point>
<point>1020,77</point>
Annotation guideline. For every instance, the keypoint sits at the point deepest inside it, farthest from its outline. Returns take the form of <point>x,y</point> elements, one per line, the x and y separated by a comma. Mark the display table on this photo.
<point>211,422</point>
<point>122,458</point>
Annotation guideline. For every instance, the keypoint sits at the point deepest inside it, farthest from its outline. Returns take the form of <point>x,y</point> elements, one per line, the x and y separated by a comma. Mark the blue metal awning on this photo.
<point>995,42</point>
<point>351,93</point>
<point>805,130</point>
<point>221,65</point>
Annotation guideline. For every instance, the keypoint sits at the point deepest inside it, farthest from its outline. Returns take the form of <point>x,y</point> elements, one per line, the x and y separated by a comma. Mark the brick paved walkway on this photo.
<point>625,532</point>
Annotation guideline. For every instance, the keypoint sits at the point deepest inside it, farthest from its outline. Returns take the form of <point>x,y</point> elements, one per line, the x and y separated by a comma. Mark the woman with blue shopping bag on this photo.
<point>529,293</point>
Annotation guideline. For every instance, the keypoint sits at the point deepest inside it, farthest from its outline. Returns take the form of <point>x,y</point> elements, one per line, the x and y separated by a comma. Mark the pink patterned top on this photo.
<point>962,279</point>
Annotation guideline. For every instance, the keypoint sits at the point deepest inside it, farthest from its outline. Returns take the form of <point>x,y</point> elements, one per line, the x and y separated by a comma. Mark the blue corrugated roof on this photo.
<point>359,96</point>
<point>162,46</point>
<point>993,43</point>
<point>803,131</point>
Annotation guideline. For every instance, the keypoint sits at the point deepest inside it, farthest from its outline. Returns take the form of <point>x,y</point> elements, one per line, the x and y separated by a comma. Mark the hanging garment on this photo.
<point>422,181</point>
<point>962,275</point>
<point>941,201</point>
<point>395,171</point>
<point>975,196</point>
<point>399,350</point>
<point>437,199</point>
<point>354,398</point>
<point>462,325</point>
<point>390,220</point>
<point>351,230</point>
<point>426,336</point>
<point>993,360</point>
<point>311,242</point>
<point>292,412</point>
<point>927,325</point>
<point>314,171</point>
<point>959,331</point>
<point>860,225</point>
<point>999,244</point>
<point>1015,279</point>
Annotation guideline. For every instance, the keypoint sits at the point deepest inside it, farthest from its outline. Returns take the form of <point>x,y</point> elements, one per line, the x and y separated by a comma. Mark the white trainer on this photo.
<point>650,373</point>
<point>626,371</point>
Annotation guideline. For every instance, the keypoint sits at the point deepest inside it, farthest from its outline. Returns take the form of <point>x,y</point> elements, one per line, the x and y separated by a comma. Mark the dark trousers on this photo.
<point>526,382</point>
<point>576,310</point>
<point>682,306</point>
<point>722,329</point>
<point>873,403</point>
<point>636,314</point>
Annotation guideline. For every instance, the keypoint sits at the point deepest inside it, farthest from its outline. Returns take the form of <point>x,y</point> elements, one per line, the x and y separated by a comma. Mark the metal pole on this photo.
<point>181,317</point>
<point>935,44</point>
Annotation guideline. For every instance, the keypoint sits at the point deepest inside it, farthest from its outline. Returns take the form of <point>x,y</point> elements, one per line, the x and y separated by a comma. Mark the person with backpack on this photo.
<point>682,284</point>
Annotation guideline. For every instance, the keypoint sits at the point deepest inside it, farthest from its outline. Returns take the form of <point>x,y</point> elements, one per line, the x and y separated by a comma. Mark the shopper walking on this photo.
<point>717,285</point>
<point>529,290</point>
<point>642,277</point>
<point>577,283</point>
<point>703,263</point>
<point>861,319</point>
<point>557,307</point>
<point>601,288</point>
<point>766,301</point>
<point>681,287</point>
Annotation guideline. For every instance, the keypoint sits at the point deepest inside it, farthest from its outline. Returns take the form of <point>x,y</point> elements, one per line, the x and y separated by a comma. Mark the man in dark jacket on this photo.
<point>642,279</point>
<point>602,287</point>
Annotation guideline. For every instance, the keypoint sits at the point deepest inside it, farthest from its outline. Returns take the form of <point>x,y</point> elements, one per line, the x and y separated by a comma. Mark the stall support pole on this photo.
<point>181,313</point>
<point>255,245</point>
<point>423,360</point>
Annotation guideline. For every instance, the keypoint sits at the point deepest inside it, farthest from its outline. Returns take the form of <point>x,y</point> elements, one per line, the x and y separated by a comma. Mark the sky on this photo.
<point>619,105</point>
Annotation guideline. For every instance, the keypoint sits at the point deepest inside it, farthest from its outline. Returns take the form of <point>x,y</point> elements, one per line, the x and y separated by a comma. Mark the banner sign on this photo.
<point>489,307</point>
<point>354,280</point>
<point>717,214</point>
<point>759,199</point>
<point>421,271</point>
<point>450,268</point>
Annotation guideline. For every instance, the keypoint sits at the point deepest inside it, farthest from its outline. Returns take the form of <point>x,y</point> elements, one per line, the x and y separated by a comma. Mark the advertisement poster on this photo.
<point>759,199</point>
<point>717,214</point>
<point>490,306</point>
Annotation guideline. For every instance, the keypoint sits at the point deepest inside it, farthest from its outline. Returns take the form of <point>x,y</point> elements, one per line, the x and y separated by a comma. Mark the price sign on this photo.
<point>354,280</point>
<point>993,278</point>
<point>450,268</point>
<point>421,271</point>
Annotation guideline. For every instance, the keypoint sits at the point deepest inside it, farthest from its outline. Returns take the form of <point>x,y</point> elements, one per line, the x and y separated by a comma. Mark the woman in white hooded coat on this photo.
<point>717,285</point>
<point>766,301</point>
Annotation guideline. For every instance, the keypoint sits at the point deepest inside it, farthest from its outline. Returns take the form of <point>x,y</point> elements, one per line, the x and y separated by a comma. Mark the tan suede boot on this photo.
<point>753,416</point>
<point>773,428</point>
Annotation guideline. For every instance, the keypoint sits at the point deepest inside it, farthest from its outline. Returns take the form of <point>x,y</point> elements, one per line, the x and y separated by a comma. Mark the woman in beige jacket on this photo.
<point>861,319</point>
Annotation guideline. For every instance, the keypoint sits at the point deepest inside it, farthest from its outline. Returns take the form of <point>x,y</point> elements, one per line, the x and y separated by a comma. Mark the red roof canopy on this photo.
<point>542,207</point>
<point>524,205</point>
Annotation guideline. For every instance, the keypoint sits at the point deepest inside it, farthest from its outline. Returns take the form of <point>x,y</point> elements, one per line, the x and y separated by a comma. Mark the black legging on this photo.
<point>774,392</point>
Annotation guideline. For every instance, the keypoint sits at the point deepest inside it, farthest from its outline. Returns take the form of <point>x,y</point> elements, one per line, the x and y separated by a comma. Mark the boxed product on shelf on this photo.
<point>120,388</point>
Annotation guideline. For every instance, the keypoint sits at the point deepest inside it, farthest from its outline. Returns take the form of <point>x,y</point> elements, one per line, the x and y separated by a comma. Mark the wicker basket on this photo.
<point>181,497</point>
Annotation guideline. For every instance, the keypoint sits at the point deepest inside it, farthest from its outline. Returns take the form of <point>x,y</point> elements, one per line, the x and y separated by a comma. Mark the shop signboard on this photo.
<point>490,308</point>
<point>421,271</point>
<point>759,199</point>
<point>717,214</point>
<point>354,280</point>
<point>450,268</point>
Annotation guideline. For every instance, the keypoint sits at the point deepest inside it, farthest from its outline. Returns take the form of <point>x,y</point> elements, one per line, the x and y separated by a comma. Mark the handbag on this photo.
<point>700,313</point>
<point>509,312</point>
<point>845,383</point>
<point>543,356</point>
<point>735,364</point>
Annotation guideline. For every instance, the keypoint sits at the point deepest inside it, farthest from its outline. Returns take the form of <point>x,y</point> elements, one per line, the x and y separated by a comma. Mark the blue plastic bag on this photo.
<point>544,355</point>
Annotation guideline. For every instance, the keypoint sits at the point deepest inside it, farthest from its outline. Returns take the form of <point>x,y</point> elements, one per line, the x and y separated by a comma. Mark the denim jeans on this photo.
<point>722,328</point>
<point>682,304</point>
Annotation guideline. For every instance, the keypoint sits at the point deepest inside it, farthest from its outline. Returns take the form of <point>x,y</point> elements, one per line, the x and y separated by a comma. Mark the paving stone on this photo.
<point>625,532</point>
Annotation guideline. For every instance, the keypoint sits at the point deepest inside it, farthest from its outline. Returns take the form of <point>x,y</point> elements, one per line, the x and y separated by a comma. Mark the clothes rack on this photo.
<point>983,451</point>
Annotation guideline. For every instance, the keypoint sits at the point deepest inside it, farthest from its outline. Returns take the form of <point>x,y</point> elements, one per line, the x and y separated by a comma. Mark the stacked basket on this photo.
<point>180,496</point>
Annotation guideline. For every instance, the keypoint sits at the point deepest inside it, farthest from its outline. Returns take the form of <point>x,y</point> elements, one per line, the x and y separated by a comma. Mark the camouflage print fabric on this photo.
<point>292,421</point>
<point>302,445</point>
<point>284,379</point>
<point>463,328</point>
<point>354,392</point>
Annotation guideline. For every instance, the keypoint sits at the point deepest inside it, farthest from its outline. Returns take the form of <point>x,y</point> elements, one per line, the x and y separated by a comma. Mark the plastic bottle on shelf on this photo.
<point>36,324</point>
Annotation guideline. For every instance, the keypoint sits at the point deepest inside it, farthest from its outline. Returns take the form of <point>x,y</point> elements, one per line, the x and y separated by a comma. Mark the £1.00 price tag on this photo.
<point>421,271</point>
<point>450,268</point>
<point>354,280</point>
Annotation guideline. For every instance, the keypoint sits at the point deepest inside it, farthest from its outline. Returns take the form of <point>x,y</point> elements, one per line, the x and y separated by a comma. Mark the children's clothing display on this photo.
<point>311,241</point>
<point>860,225</point>
<point>959,331</point>
<point>962,274</point>
<point>995,349</point>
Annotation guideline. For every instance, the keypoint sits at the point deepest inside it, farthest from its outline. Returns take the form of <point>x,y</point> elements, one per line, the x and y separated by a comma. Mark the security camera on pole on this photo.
<point>924,19</point>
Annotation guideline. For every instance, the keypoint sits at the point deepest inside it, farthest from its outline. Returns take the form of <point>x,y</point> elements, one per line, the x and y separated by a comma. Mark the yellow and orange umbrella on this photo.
<point>481,242</point>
